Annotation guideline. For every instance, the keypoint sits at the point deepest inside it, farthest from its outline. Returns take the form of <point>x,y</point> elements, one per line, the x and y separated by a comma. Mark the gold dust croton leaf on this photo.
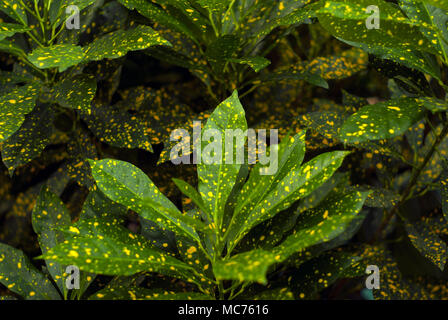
<point>9,29</point>
<point>75,93</point>
<point>18,274</point>
<point>116,44</point>
<point>30,140</point>
<point>14,105</point>
<point>61,56</point>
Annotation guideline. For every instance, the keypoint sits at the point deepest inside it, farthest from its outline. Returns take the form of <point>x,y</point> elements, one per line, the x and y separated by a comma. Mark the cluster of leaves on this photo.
<point>84,133</point>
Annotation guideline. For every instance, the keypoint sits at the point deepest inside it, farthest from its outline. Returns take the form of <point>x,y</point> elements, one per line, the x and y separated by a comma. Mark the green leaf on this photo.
<point>50,213</point>
<point>216,180</point>
<point>13,9</point>
<point>257,63</point>
<point>75,93</point>
<point>20,276</point>
<point>427,243</point>
<point>128,185</point>
<point>62,56</point>
<point>9,29</point>
<point>153,12</point>
<point>431,16</point>
<point>296,184</point>
<point>434,105</point>
<point>117,127</point>
<point>411,59</point>
<point>322,271</point>
<point>316,226</point>
<point>116,44</point>
<point>347,20</point>
<point>14,106</point>
<point>291,152</point>
<point>30,140</point>
<point>101,247</point>
<point>382,120</point>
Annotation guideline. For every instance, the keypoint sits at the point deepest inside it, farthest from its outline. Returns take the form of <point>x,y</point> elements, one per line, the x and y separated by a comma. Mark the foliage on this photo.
<point>86,117</point>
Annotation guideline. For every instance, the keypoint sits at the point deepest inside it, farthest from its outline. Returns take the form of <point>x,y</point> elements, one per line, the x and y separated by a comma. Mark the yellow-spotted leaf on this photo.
<point>75,93</point>
<point>61,56</point>
<point>382,120</point>
<point>100,247</point>
<point>10,29</point>
<point>30,140</point>
<point>128,185</point>
<point>18,274</point>
<point>218,171</point>
<point>48,214</point>
<point>427,243</point>
<point>347,19</point>
<point>116,44</point>
<point>296,184</point>
<point>317,226</point>
<point>14,106</point>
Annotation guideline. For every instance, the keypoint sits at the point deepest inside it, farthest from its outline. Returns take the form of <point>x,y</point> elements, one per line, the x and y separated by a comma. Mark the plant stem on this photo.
<point>411,185</point>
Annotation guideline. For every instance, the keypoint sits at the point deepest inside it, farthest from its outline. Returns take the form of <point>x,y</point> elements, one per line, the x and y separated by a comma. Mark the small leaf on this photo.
<point>116,44</point>
<point>30,140</point>
<point>75,93</point>
<point>14,106</point>
<point>50,213</point>
<point>382,120</point>
<point>9,29</point>
<point>62,56</point>
<point>20,276</point>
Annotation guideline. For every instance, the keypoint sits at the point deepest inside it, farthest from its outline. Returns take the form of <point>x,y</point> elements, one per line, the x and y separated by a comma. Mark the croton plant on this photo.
<point>91,93</point>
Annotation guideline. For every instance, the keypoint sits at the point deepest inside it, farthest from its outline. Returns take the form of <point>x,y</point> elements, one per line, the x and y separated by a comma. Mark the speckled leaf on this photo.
<point>62,56</point>
<point>296,184</point>
<point>431,16</point>
<point>30,140</point>
<point>322,271</point>
<point>319,225</point>
<point>434,105</point>
<point>117,127</point>
<point>20,276</point>
<point>50,213</point>
<point>214,6</point>
<point>116,44</point>
<point>256,63</point>
<point>427,243</point>
<point>14,106</point>
<point>217,180</point>
<point>153,12</point>
<point>128,185</point>
<point>382,120</point>
<point>138,293</point>
<point>13,9</point>
<point>411,59</point>
<point>100,247</point>
<point>9,29</point>
<point>75,93</point>
<point>291,152</point>
<point>347,20</point>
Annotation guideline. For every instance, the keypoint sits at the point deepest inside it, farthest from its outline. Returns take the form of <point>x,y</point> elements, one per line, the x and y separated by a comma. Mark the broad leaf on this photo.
<point>62,56</point>
<point>19,275</point>
<point>382,120</point>
<point>14,106</point>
